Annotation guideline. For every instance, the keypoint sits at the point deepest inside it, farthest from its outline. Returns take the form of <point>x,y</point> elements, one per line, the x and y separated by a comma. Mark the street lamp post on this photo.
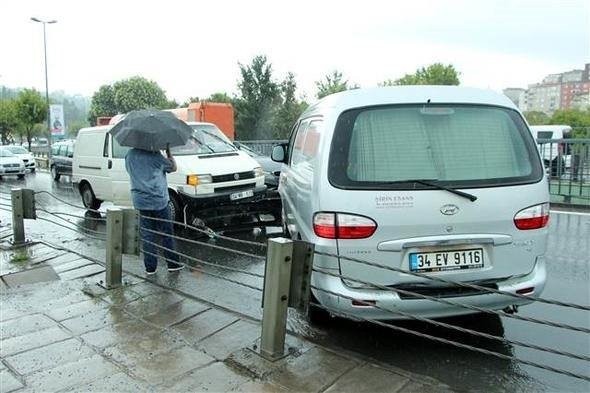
<point>46,81</point>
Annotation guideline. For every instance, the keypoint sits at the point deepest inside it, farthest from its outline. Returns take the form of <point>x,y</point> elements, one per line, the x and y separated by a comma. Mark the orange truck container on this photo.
<point>218,113</point>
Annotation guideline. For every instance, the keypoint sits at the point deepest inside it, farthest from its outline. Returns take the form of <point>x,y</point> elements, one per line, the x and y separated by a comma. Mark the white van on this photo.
<point>416,183</point>
<point>212,173</point>
<point>555,155</point>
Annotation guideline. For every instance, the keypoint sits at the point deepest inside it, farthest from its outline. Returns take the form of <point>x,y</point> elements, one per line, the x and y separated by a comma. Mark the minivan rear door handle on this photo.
<point>444,240</point>
<point>110,164</point>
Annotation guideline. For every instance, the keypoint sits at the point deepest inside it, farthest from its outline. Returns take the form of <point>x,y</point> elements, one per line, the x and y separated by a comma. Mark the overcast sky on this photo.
<point>192,48</point>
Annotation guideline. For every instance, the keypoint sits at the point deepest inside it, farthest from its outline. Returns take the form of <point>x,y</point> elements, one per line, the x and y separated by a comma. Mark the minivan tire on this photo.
<point>88,198</point>
<point>54,174</point>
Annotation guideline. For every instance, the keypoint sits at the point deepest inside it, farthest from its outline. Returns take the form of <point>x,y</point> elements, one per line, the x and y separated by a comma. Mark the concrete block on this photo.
<point>71,374</point>
<point>31,276</point>
<point>115,383</point>
<point>82,272</point>
<point>314,371</point>
<point>168,366</point>
<point>369,379</point>
<point>96,320</point>
<point>32,340</point>
<point>216,377</point>
<point>76,309</point>
<point>176,312</point>
<point>8,382</point>
<point>203,325</point>
<point>29,323</point>
<point>233,337</point>
<point>132,330</point>
<point>48,356</point>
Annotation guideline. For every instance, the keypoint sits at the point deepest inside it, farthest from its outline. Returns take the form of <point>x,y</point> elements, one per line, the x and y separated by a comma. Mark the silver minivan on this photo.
<point>399,186</point>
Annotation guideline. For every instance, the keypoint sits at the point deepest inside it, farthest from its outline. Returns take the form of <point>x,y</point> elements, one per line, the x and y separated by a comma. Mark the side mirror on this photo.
<point>278,153</point>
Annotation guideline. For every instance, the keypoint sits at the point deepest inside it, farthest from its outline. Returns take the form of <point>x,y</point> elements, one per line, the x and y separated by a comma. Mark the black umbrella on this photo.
<point>151,130</point>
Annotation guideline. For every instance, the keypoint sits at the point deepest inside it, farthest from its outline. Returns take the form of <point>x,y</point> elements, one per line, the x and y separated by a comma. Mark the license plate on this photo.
<point>241,195</point>
<point>446,260</point>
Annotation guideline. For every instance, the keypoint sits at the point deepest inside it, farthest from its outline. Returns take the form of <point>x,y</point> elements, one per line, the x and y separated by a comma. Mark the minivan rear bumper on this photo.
<point>389,305</point>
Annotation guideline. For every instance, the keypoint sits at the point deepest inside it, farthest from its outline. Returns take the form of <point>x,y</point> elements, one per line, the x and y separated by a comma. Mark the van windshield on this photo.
<point>206,139</point>
<point>389,147</point>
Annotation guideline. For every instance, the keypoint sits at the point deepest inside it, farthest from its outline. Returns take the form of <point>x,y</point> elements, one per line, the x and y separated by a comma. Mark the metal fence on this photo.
<point>285,259</point>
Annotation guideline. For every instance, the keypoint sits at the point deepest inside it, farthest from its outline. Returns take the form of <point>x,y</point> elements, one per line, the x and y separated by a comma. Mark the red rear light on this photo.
<point>343,226</point>
<point>534,217</point>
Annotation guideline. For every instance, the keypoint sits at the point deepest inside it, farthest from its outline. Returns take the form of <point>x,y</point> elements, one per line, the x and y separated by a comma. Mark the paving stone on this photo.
<point>42,257</point>
<point>7,312</point>
<point>259,387</point>
<point>31,276</point>
<point>3,286</point>
<point>146,288</point>
<point>71,374</point>
<point>32,340</point>
<point>65,258</point>
<point>418,387</point>
<point>64,267</point>
<point>48,356</point>
<point>132,330</point>
<point>216,377</point>
<point>233,337</point>
<point>96,320</point>
<point>119,382</point>
<point>168,366</point>
<point>176,313</point>
<point>8,382</point>
<point>121,296</point>
<point>76,309</point>
<point>152,304</point>
<point>130,353</point>
<point>24,325</point>
<point>200,326</point>
<point>81,272</point>
<point>314,371</point>
<point>369,379</point>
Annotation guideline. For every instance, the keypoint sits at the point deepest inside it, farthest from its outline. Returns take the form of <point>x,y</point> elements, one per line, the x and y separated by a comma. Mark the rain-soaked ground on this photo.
<point>568,278</point>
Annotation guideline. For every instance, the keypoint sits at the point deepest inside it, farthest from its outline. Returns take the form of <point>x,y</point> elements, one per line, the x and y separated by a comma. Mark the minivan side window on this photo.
<point>296,148</point>
<point>105,150</point>
<point>70,151</point>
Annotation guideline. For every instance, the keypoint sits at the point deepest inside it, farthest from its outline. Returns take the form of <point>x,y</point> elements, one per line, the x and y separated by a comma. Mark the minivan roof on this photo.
<point>410,95</point>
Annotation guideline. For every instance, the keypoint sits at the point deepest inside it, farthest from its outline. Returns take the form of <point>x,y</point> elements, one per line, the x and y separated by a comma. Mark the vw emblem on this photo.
<point>237,176</point>
<point>449,210</point>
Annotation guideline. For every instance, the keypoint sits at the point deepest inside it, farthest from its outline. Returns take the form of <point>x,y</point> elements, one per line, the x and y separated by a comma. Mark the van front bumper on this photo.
<point>198,202</point>
<point>392,306</point>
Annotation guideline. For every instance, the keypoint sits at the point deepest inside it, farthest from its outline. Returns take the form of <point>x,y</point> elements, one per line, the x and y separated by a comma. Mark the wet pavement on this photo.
<point>461,369</point>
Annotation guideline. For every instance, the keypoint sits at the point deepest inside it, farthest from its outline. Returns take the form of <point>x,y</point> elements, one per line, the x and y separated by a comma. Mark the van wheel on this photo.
<point>54,175</point>
<point>20,177</point>
<point>88,198</point>
<point>176,207</point>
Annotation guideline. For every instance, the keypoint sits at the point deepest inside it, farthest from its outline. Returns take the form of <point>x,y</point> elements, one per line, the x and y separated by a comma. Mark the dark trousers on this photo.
<point>165,227</point>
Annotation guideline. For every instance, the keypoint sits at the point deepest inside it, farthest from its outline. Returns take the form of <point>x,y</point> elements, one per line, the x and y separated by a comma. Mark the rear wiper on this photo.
<point>429,182</point>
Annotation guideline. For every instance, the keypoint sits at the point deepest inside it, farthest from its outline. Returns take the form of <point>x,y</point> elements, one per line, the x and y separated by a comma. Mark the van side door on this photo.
<point>121,189</point>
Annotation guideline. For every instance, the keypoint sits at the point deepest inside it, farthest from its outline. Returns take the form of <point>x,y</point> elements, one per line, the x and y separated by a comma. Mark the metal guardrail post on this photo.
<point>114,256</point>
<point>18,224</point>
<point>277,278</point>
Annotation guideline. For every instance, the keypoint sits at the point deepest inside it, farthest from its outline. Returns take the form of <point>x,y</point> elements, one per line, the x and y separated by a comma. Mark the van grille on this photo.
<point>241,187</point>
<point>440,292</point>
<point>233,177</point>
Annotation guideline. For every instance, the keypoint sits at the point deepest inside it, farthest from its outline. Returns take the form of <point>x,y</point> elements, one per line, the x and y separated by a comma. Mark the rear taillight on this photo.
<point>534,217</point>
<point>343,226</point>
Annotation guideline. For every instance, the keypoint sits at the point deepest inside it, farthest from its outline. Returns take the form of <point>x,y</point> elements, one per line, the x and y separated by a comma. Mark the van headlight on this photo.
<point>258,172</point>
<point>195,180</point>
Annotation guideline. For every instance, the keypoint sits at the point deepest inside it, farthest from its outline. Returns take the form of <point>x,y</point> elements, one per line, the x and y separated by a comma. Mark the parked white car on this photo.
<point>24,155</point>
<point>10,164</point>
<point>418,183</point>
<point>212,175</point>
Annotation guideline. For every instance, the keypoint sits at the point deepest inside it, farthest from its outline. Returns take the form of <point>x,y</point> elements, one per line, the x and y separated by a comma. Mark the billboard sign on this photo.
<point>56,120</point>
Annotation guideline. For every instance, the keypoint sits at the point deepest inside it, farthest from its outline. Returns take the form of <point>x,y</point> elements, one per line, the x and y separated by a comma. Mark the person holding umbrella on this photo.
<point>148,132</point>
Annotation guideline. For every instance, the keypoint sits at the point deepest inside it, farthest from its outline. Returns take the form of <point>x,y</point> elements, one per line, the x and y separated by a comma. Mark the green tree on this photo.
<point>289,110</point>
<point>333,83</point>
<point>536,118</point>
<point>434,74</point>
<point>258,97</point>
<point>138,93</point>
<point>579,120</point>
<point>220,97</point>
<point>75,126</point>
<point>8,119</point>
<point>189,101</point>
<point>32,109</point>
<point>102,104</point>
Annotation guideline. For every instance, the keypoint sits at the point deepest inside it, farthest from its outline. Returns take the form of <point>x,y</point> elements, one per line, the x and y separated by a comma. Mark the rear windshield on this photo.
<point>457,145</point>
<point>206,139</point>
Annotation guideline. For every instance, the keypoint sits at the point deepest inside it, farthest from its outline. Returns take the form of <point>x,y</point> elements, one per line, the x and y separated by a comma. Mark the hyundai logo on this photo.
<point>237,176</point>
<point>449,210</point>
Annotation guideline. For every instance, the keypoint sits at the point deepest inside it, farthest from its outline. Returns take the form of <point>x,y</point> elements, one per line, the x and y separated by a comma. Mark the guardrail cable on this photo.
<point>72,223</point>
<point>457,283</point>
<point>101,219</point>
<point>71,229</point>
<point>439,339</point>
<point>458,304</point>
<point>66,202</point>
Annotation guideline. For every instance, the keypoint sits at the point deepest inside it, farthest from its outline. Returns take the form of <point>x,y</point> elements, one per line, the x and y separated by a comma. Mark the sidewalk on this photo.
<point>61,331</point>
